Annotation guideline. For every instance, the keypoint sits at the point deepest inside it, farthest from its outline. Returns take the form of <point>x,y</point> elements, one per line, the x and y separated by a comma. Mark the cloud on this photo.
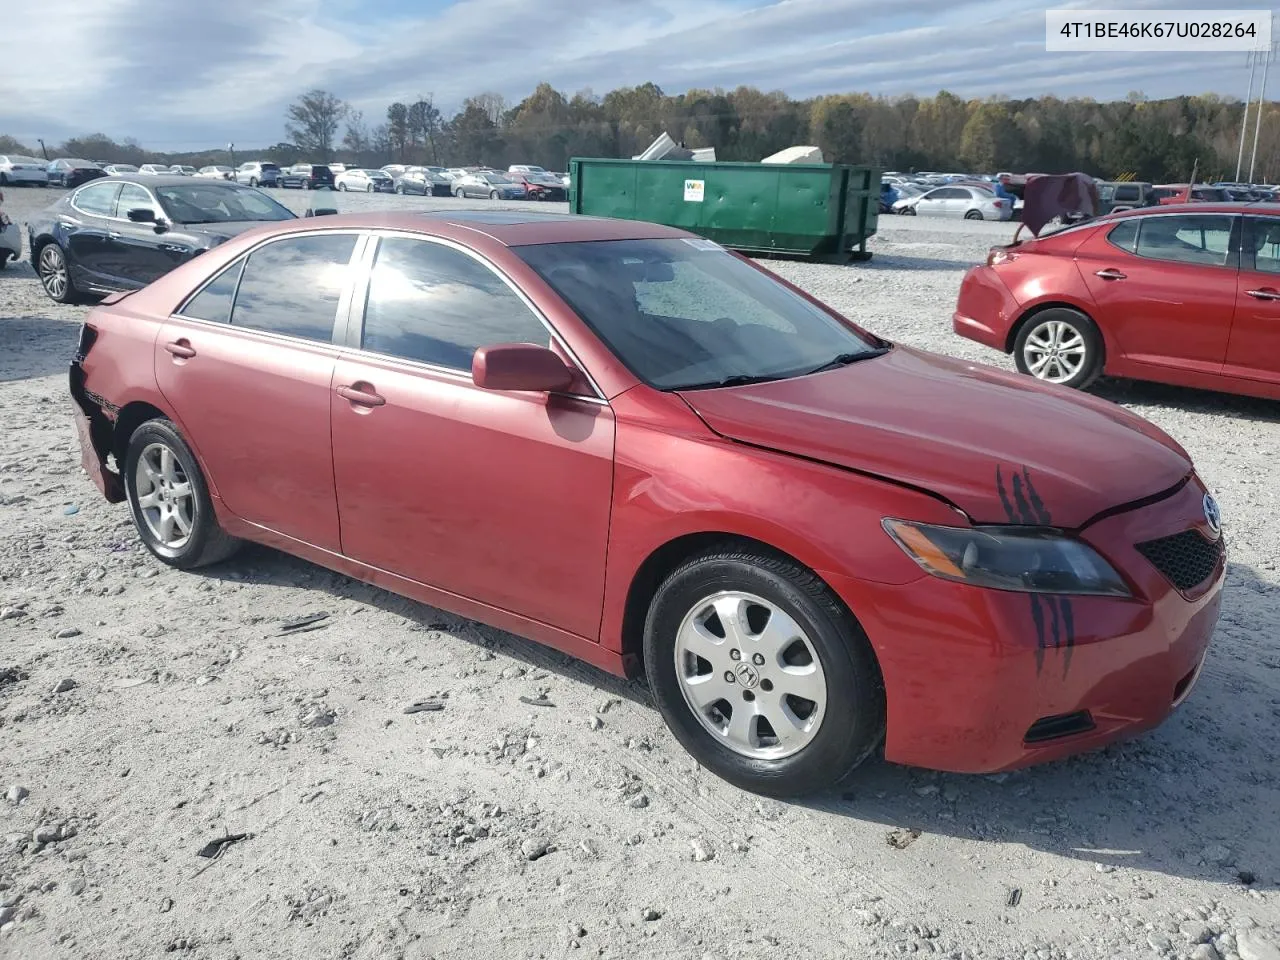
<point>189,75</point>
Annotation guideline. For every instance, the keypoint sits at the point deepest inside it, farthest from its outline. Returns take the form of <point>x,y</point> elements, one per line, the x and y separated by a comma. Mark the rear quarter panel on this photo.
<point>1046,274</point>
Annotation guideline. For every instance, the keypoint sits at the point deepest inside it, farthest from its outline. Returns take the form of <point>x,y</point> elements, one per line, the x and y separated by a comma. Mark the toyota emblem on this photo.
<point>1212,515</point>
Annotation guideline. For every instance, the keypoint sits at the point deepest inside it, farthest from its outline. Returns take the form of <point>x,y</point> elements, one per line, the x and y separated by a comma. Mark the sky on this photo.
<point>192,74</point>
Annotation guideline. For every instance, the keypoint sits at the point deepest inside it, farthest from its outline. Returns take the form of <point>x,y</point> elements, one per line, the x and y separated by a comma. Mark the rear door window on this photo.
<point>213,303</point>
<point>1265,233</point>
<point>293,286</point>
<point>1126,193</point>
<point>1124,235</point>
<point>98,200</point>
<point>1203,239</point>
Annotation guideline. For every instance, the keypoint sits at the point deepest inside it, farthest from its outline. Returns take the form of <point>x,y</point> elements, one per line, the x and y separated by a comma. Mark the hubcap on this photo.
<point>165,498</point>
<point>1055,351</point>
<point>750,675</point>
<point>53,271</point>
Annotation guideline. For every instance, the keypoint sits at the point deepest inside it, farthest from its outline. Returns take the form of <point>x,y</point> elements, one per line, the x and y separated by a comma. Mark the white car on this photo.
<point>336,168</point>
<point>115,169</point>
<point>18,169</point>
<point>967,203</point>
<point>154,169</point>
<point>525,168</point>
<point>216,173</point>
<point>364,181</point>
<point>10,238</point>
<point>394,170</point>
<point>182,170</point>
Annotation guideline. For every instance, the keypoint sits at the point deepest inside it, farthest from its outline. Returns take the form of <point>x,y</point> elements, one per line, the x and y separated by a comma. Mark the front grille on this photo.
<point>1185,559</point>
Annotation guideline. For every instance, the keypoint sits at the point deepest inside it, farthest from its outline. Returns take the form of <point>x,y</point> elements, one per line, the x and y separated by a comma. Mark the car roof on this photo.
<point>1259,207</point>
<point>160,180</point>
<point>511,228</point>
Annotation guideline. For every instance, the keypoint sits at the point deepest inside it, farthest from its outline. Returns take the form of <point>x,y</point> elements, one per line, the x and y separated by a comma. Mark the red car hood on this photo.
<point>1002,447</point>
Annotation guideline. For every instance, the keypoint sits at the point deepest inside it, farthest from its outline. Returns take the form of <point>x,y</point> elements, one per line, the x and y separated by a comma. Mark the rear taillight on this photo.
<point>998,203</point>
<point>88,335</point>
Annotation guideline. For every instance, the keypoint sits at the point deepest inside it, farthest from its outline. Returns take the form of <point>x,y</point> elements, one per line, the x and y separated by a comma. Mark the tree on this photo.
<point>836,128</point>
<point>494,106</point>
<point>313,122</point>
<point>356,139</point>
<point>9,145</point>
<point>398,128</point>
<point>423,120</point>
<point>475,135</point>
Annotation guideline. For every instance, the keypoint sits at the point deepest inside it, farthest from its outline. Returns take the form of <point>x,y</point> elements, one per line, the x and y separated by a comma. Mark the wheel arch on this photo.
<point>128,419</point>
<point>1031,311</point>
<point>667,557</point>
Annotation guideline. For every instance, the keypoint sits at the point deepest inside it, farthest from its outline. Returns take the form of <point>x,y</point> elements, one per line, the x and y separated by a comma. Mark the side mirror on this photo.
<point>142,215</point>
<point>520,366</point>
<point>322,212</point>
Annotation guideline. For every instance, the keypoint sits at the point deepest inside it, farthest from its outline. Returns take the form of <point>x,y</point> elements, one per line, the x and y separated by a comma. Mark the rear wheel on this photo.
<point>458,193</point>
<point>762,673</point>
<point>55,277</point>
<point>342,187</point>
<point>493,194</point>
<point>973,215</point>
<point>369,187</point>
<point>1060,345</point>
<point>169,499</point>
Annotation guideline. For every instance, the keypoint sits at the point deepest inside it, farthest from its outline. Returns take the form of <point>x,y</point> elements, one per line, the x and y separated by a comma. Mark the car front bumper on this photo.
<point>980,681</point>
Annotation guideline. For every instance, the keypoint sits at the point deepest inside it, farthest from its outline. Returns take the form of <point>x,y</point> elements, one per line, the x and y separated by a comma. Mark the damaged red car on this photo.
<point>650,453</point>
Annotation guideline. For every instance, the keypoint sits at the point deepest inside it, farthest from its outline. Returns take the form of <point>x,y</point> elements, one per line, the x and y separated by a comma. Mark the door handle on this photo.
<point>181,349</point>
<point>1110,275</point>
<point>114,234</point>
<point>1266,293</point>
<point>361,398</point>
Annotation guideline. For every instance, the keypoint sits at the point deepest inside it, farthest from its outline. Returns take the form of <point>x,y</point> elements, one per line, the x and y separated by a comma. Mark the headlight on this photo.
<point>1008,558</point>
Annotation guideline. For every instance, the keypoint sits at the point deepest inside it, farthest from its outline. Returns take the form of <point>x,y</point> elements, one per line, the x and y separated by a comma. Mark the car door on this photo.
<point>1254,348</point>
<point>1164,288</point>
<point>933,203</point>
<point>247,367</point>
<point>500,497</point>
<point>86,226</point>
<point>137,252</point>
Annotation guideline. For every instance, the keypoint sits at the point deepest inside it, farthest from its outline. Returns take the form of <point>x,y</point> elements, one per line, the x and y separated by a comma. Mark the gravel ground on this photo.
<point>145,713</point>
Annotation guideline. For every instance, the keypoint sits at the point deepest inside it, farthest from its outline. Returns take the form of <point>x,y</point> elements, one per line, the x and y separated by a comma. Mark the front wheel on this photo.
<point>973,215</point>
<point>253,181</point>
<point>493,194</point>
<point>762,673</point>
<point>458,193</point>
<point>1060,345</point>
<point>342,187</point>
<point>368,188</point>
<point>170,501</point>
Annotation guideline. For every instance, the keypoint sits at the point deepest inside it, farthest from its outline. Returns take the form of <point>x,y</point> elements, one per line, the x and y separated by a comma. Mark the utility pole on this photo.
<point>1244,124</point>
<point>42,148</point>
<point>1268,55</point>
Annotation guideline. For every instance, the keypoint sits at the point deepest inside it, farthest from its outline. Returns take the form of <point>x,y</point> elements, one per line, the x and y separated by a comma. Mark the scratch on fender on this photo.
<point>1052,616</point>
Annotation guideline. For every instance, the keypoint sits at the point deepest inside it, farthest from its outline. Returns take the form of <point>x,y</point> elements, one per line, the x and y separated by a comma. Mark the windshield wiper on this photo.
<point>736,380</point>
<point>844,359</point>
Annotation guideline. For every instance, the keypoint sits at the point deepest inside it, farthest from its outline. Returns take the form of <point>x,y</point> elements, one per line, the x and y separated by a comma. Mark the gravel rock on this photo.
<point>535,848</point>
<point>16,794</point>
<point>649,914</point>
<point>316,717</point>
<point>66,633</point>
<point>64,685</point>
<point>1196,931</point>
<point>1250,946</point>
<point>701,852</point>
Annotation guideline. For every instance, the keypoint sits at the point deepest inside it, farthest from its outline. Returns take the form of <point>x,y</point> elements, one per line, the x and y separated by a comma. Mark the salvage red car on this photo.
<point>641,449</point>
<point>1187,295</point>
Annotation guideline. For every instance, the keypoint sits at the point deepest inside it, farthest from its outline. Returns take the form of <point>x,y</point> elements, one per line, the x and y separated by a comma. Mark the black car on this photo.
<point>424,183</point>
<point>68,173</point>
<point>123,232</point>
<point>307,176</point>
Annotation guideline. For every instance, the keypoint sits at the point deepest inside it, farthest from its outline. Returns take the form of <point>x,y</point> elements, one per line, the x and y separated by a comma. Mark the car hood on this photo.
<point>1002,447</point>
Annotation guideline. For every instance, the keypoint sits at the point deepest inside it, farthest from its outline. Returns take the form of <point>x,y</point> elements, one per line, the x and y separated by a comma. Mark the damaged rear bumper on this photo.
<point>94,418</point>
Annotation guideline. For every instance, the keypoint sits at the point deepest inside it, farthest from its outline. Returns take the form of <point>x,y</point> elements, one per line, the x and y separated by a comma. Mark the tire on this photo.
<point>369,188</point>
<point>204,542</point>
<point>400,189</point>
<point>908,211</point>
<point>458,193</point>
<point>306,184</point>
<point>342,187</point>
<point>973,215</point>
<point>55,275</point>
<point>253,181</point>
<point>1072,330</point>
<point>4,179</point>
<point>848,727</point>
<point>493,194</point>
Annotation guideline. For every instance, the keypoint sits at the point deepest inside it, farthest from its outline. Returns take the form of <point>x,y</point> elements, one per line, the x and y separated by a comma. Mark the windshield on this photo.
<point>683,314</point>
<point>219,203</point>
<point>495,178</point>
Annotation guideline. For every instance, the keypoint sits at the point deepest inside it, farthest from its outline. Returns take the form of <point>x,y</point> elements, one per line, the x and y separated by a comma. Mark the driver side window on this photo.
<point>133,197</point>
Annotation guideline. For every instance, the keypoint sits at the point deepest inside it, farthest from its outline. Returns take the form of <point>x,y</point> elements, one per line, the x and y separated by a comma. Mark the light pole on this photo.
<point>1268,55</point>
<point>231,147</point>
<point>42,148</point>
<point>1244,124</point>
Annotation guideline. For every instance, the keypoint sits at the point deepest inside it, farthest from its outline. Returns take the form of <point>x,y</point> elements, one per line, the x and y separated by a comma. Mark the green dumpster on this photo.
<point>823,211</point>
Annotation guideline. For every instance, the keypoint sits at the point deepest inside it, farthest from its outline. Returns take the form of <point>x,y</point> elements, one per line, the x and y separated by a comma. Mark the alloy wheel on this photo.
<point>1055,351</point>
<point>166,499</point>
<point>750,675</point>
<point>53,271</point>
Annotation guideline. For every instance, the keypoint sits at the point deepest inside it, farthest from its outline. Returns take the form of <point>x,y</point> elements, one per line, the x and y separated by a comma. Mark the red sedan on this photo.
<point>1188,295</point>
<point>625,442</point>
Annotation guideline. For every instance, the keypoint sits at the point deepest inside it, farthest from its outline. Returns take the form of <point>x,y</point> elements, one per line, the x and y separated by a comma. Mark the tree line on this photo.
<point>1157,140</point>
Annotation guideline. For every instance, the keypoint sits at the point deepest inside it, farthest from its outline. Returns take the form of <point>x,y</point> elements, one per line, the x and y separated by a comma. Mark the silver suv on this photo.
<point>258,173</point>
